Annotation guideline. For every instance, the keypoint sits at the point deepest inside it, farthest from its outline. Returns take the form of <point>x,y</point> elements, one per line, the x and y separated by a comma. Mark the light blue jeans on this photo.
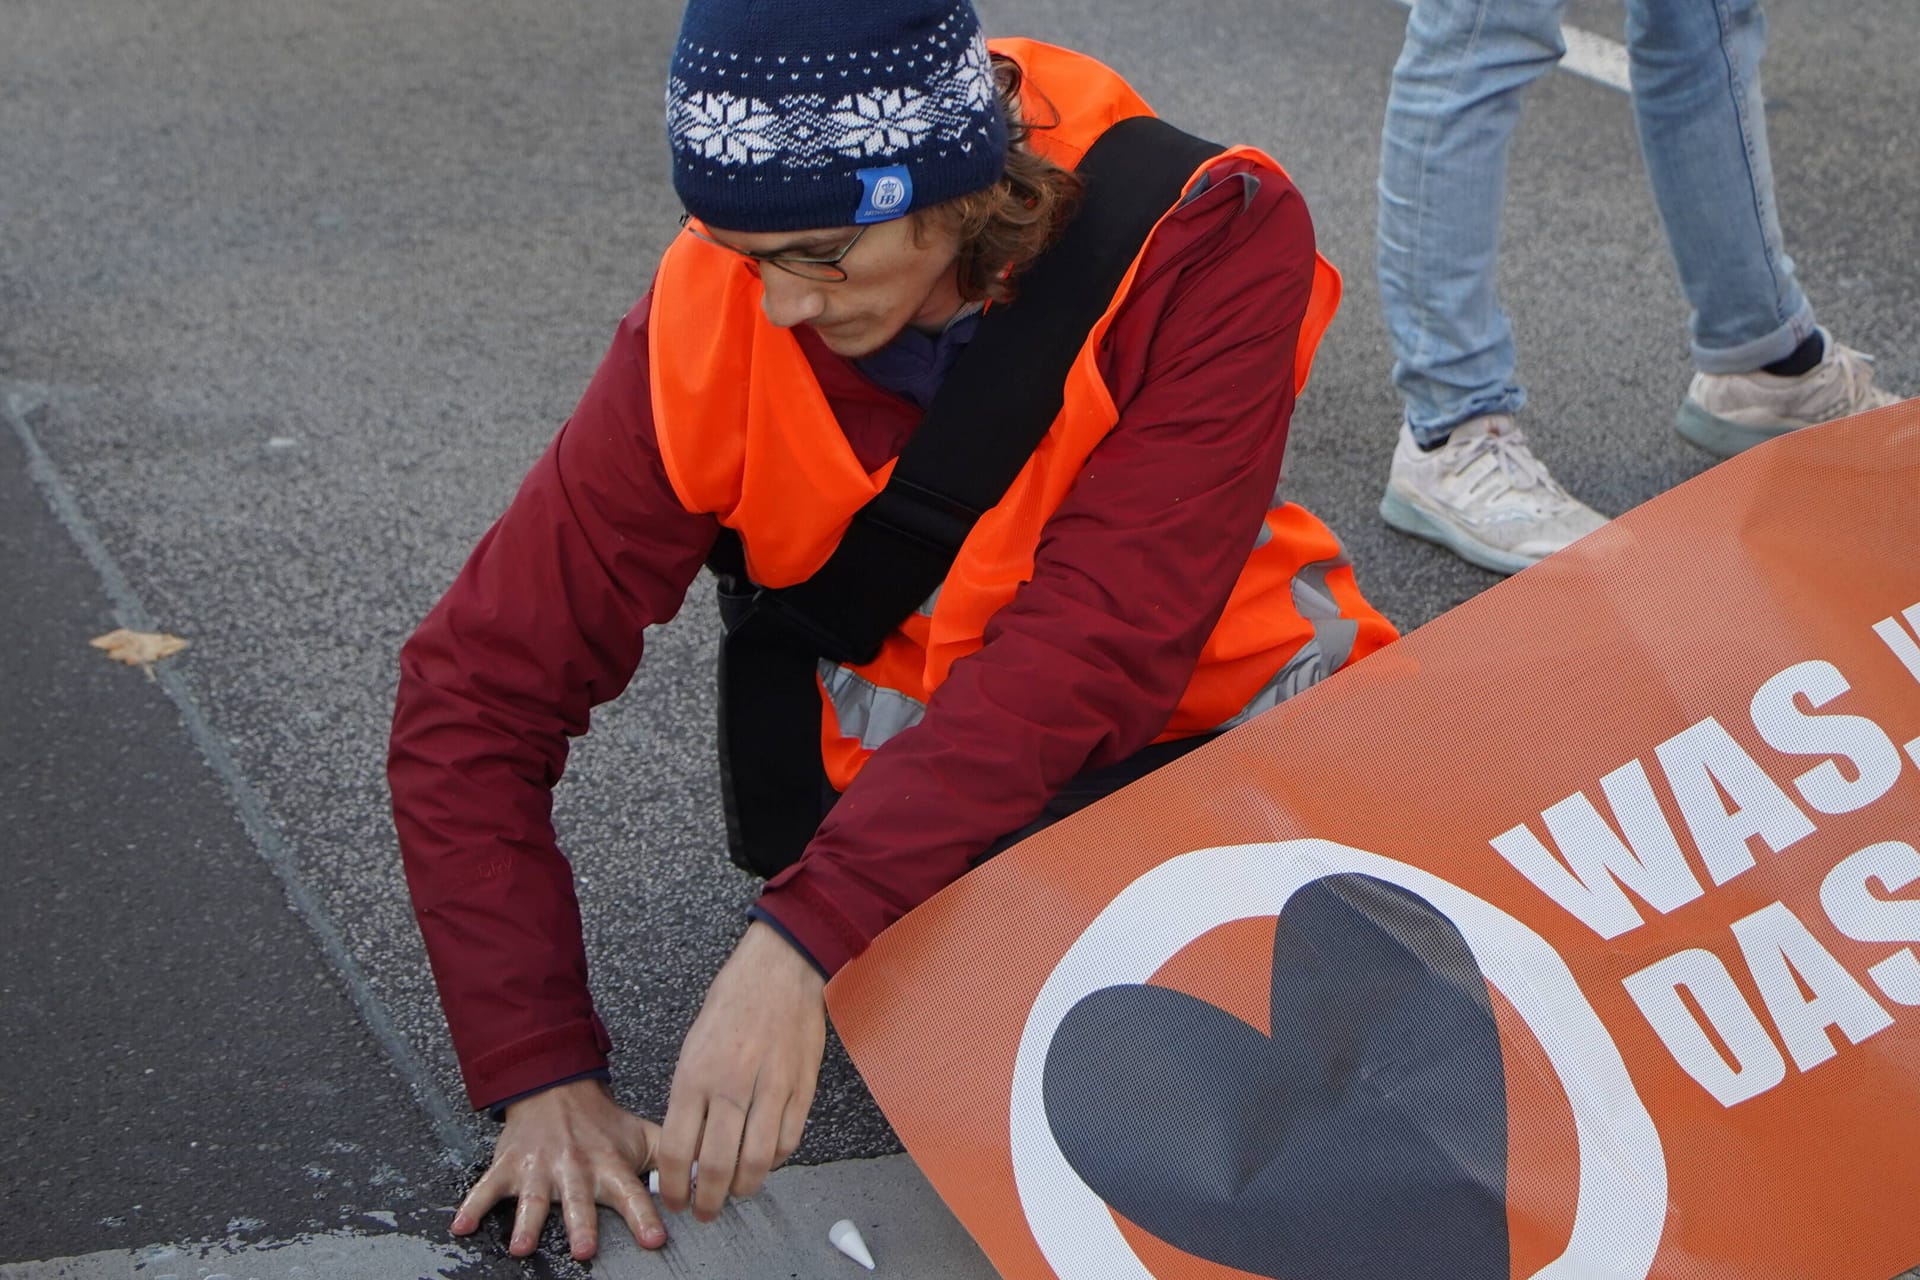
<point>1695,69</point>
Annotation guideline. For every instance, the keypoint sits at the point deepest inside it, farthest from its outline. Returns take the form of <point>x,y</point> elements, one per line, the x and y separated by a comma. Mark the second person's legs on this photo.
<point>1443,171</point>
<point>1462,475</point>
<point>1703,131</point>
<point>1764,369</point>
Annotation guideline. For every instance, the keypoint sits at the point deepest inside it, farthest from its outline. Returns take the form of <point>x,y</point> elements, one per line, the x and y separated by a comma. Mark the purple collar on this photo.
<point>914,364</point>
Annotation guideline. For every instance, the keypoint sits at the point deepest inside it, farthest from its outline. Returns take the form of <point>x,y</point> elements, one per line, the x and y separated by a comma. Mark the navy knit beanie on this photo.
<point>791,115</point>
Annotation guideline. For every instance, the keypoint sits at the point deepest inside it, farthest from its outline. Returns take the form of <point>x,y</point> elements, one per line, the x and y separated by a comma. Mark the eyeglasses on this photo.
<point>827,269</point>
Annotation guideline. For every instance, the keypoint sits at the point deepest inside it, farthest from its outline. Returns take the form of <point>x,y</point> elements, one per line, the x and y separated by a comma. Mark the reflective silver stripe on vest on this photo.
<point>873,713</point>
<point>865,710</point>
<point>926,606</point>
<point>1318,658</point>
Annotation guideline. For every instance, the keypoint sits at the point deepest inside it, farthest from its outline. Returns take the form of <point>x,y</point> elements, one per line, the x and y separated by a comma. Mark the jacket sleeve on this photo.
<point>543,624</point>
<point>1085,665</point>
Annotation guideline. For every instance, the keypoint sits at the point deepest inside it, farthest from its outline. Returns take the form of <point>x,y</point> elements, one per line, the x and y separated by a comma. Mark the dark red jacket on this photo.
<point>1081,670</point>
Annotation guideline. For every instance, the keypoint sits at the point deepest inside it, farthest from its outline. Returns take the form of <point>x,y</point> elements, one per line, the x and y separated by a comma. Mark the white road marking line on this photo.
<point>1589,56</point>
<point>1596,58</point>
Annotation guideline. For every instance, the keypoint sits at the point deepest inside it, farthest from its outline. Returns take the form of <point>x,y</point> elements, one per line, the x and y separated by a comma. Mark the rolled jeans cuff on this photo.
<point>1761,351</point>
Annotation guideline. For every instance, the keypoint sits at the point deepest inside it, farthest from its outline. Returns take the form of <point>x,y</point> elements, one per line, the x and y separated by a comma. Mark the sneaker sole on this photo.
<point>1407,518</point>
<point>1721,437</point>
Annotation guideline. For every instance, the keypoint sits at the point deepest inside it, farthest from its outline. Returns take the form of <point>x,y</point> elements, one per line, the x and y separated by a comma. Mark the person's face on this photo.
<point>894,279</point>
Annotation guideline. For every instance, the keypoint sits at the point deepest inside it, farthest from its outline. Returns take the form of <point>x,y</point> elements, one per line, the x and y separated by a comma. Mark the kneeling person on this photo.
<point>973,382</point>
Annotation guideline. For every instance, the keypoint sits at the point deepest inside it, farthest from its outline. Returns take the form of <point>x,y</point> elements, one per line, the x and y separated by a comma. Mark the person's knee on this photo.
<point>1663,36</point>
<point>1483,38</point>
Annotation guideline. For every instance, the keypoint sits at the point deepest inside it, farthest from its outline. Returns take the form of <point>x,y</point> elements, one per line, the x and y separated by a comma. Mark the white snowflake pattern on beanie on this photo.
<point>777,108</point>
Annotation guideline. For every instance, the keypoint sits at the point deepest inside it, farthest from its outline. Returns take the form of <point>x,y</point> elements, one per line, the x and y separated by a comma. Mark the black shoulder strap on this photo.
<point>990,413</point>
<point>995,405</point>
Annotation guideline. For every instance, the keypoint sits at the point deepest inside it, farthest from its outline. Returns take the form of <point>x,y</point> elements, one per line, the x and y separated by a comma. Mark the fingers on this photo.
<point>719,1155</point>
<point>529,1219</point>
<point>578,1212</point>
<point>793,1124</point>
<point>679,1144</point>
<point>754,1049</point>
<point>736,1150</point>
<point>578,1145</point>
<point>626,1195</point>
<point>759,1145</point>
<point>489,1191</point>
<point>635,1205</point>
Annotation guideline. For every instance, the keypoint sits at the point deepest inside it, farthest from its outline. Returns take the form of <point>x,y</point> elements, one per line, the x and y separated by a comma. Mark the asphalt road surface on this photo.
<point>291,295</point>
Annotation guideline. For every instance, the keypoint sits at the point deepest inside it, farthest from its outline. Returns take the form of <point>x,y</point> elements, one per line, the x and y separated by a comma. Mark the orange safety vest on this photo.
<point>747,434</point>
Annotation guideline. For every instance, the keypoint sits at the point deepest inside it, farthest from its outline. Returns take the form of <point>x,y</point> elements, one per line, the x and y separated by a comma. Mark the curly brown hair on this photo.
<point>1004,227</point>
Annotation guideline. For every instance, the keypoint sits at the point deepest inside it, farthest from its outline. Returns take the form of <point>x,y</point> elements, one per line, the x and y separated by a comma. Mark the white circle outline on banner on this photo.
<point>1622,1204</point>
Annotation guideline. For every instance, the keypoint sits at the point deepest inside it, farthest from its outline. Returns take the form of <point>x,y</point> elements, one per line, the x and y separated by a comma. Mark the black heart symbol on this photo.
<point>1365,1139</point>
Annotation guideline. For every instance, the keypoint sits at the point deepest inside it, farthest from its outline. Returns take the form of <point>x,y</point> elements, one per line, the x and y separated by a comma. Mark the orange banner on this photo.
<point>1569,936</point>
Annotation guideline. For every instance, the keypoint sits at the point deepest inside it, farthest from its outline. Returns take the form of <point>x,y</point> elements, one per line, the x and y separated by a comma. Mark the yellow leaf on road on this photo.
<point>138,648</point>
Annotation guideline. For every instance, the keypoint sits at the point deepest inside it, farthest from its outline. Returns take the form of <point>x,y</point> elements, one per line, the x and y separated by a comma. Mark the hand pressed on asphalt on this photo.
<point>746,1075</point>
<point>575,1144</point>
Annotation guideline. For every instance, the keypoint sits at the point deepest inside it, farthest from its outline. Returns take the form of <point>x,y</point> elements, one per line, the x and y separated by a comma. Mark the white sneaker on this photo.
<point>1484,496</point>
<point>1725,413</point>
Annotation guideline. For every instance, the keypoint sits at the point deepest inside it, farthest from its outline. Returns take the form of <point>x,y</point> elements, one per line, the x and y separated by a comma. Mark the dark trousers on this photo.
<point>1094,784</point>
<point>1097,784</point>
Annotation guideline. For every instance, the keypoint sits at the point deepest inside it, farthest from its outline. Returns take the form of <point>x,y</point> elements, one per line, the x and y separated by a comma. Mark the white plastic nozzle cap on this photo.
<point>845,1237</point>
<point>653,1177</point>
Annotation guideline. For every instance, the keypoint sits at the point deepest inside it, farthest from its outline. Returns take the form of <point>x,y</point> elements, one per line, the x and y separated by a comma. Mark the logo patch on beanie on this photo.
<point>888,194</point>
